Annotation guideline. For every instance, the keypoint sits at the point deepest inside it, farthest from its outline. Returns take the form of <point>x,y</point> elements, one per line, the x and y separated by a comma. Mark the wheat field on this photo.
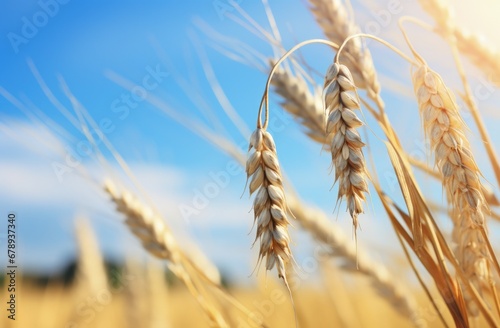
<point>368,169</point>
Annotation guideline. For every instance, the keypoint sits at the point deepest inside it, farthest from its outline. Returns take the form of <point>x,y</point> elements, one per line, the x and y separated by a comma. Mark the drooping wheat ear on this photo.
<point>145,224</point>
<point>304,105</point>
<point>341,100</point>
<point>157,239</point>
<point>481,53</point>
<point>269,207</point>
<point>333,18</point>
<point>153,233</point>
<point>445,129</point>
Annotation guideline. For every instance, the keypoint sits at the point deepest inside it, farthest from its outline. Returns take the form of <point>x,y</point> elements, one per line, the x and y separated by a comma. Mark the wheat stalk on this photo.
<point>158,291</point>
<point>455,161</point>
<point>91,270</point>
<point>91,276</point>
<point>263,170</point>
<point>354,258</point>
<point>332,16</point>
<point>341,100</point>
<point>136,297</point>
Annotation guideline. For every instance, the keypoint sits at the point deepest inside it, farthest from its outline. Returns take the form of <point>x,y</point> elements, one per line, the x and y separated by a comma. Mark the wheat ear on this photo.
<point>263,170</point>
<point>304,105</point>
<point>341,100</point>
<point>157,239</point>
<point>445,129</point>
<point>332,16</point>
<point>145,224</point>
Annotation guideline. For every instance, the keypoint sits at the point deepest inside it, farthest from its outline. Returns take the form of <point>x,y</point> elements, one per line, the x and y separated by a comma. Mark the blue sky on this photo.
<point>83,41</point>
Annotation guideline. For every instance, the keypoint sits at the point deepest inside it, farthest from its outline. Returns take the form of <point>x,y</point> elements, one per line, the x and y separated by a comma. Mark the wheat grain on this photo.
<point>263,170</point>
<point>332,16</point>
<point>445,129</point>
<point>341,100</point>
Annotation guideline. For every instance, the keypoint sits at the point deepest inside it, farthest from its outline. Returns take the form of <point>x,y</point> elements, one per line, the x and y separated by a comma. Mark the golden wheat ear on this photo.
<point>270,209</point>
<point>341,102</point>
<point>445,130</point>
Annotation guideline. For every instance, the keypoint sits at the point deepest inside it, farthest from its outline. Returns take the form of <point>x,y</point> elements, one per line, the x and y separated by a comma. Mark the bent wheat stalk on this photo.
<point>263,168</point>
